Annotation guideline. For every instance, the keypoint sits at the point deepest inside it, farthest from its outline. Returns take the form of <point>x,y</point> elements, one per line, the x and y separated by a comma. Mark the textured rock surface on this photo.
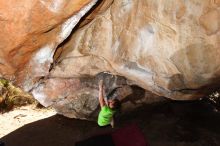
<point>78,97</point>
<point>30,32</point>
<point>170,48</point>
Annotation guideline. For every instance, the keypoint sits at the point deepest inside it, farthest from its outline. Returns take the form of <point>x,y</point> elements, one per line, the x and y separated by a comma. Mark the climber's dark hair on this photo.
<point>112,95</point>
<point>117,104</point>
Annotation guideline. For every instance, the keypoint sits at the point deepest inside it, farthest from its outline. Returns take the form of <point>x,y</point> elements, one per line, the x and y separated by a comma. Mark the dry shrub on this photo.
<point>11,96</point>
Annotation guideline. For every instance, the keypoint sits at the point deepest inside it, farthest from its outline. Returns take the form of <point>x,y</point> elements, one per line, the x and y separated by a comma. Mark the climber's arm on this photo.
<point>112,122</point>
<point>101,96</point>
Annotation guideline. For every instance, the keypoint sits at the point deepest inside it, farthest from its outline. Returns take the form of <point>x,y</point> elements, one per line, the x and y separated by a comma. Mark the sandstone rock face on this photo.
<point>30,32</point>
<point>77,97</point>
<point>170,48</point>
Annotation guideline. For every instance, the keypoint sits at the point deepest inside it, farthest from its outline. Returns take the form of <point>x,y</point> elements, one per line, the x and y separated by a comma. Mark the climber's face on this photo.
<point>111,103</point>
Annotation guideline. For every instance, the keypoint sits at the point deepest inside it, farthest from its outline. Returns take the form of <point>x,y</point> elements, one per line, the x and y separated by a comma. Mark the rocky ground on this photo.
<point>164,124</point>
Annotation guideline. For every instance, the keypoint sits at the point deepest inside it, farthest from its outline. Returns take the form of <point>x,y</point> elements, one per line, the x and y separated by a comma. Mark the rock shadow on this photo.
<point>137,94</point>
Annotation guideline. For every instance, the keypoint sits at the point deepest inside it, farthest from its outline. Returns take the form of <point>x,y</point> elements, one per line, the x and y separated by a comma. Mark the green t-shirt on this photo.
<point>105,116</point>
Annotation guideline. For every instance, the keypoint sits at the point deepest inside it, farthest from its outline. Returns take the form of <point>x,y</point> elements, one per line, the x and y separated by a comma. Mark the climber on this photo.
<point>108,108</point>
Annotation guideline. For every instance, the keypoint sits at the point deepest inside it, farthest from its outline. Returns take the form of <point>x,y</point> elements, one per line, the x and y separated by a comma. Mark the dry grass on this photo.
<point>11,96</point>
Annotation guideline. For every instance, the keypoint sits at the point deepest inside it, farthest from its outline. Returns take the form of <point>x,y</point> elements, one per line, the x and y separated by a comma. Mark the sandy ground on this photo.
<point>164,124</point>
<point>21,116</point>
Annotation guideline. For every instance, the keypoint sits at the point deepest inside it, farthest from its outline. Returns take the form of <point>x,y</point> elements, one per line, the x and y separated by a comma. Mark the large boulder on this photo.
<point>168,48</point>
<point>30,32</point>
<point>77,97</point>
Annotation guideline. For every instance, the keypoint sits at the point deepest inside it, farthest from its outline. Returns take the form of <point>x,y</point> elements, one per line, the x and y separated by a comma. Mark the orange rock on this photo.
<point>27,26</point>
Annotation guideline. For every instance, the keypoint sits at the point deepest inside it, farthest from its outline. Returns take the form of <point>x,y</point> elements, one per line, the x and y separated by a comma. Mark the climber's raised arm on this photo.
<point>101,94</point>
